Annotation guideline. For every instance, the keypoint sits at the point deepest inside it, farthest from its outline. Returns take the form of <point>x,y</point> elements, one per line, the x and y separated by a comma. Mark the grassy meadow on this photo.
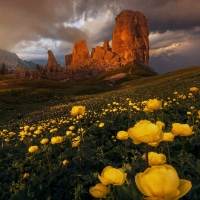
<point>70,151</point>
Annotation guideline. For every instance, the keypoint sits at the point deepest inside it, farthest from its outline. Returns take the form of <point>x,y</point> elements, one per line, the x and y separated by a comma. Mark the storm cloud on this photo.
<point>30,26</point>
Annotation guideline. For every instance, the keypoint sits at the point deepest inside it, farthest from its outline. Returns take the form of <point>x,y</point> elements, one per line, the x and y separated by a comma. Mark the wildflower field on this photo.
<point>141,141</point>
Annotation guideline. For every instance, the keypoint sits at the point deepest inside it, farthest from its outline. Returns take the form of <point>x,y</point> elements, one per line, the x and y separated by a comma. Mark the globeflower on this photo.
<point>71,128</point>
<point>162,182</point>
<point>56,140</point>
<point>113,176</point>
<point>76,143</point>
<point>68,133</point>
<point>155,158</point>
<point>25,175</point>
<point>153,104</point>
<point>33,149</point>
<point>65,162</point>
<point>168,137</point>
<point>101,125</point>
<point>99,190</point>
<point>122,135</point>
<point>26,128</point>
<point>145,131</point>
<point>77,110</point>
<point>194,89</point>
<point>182,129</point>
<point>44,141</point>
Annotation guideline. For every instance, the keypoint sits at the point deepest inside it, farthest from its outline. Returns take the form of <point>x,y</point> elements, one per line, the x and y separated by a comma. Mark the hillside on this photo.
<point>19,97</point>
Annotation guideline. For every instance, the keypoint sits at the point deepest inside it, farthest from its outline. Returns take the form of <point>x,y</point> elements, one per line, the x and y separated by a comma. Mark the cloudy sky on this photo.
<point>31,28</point>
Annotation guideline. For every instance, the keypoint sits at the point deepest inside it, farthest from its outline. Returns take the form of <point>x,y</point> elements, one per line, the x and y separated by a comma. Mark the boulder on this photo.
<point>130,36</point>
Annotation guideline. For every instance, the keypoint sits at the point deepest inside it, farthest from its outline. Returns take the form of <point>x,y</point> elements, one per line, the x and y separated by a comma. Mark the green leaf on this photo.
<point>129,192</point>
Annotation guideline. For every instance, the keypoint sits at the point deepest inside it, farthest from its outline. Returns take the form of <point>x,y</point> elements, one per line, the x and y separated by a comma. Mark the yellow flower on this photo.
<point>33,149</point>
<point>44,141</point>
<point>76,143</point>
<point>162,182</point>
<point>113,176</point>
<point>81,131</point>
<point>114,110</point>
<point>182,129</point>
<point>160,124</point>
<point>26,128</point>
<point>40,128</point>
<point>154,144</point>
<point>168,137</point>
<point>25,175</point>
<point>32,128</point>
<point>122,135</point>
<point>194,89</point>
<point>68,133</point>
<point>71,128</point>
<point>65,162</point>
<point>99,190</point>
<point>77,110</point>
<point>153,104</point>
<point>56,140</point>
<point>22,133</point>
<point>155,158</point>
<point>11,133</point>
<point>101,125</point>
<point>78,138</point>
<point>38,131</point>
<point>145,131</point>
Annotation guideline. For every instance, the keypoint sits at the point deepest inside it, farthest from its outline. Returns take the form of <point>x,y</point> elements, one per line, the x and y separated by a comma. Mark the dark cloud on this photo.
<point>25,23</point>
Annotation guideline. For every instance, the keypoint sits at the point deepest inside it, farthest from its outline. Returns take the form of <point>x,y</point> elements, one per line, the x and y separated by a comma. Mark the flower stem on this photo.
<point>168,150</point>
<point>115,196</point>
<point>125,149</point>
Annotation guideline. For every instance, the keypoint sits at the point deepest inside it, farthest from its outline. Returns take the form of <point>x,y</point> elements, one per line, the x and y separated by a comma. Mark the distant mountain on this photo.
<point>41,62</point>
<point>11,60</point>
<point>165,63</point>
<point>59,58</point>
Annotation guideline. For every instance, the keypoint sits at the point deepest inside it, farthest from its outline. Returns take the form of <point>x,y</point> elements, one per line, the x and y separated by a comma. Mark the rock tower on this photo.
<point>52,65</point>
<point>130,36</point>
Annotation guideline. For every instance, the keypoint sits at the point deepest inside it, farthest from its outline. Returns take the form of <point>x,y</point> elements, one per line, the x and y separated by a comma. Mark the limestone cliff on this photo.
<point>130,36</point>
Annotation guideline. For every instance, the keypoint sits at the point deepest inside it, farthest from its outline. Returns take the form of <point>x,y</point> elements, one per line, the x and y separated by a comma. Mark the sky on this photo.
<point>31,28</point>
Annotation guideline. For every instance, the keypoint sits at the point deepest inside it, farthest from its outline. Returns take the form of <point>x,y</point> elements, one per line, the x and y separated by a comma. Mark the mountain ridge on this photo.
<point>11,61</point>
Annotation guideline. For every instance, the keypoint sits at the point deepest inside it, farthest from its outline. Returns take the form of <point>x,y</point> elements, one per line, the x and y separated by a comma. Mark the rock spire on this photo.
<point>52,65</point>
<point>130,36</point>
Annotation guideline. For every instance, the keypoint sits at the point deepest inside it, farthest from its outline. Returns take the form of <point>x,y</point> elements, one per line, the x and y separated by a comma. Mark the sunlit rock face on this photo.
<point>80,52</point>
<point>130,36</point>
<point>129,42</point>
<point>52,65</point>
